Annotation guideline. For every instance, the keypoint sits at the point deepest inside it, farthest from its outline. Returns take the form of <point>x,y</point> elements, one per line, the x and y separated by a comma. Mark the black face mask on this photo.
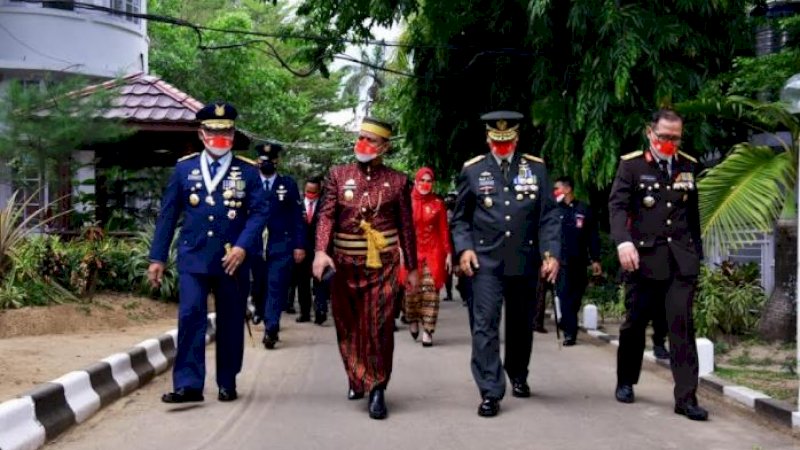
<point>267,167</point>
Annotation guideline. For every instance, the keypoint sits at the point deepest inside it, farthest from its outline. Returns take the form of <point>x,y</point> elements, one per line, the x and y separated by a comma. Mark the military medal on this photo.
<point>194,199</point>
<point>227,195</point>
<point>231,214</point>
<point>487,202</point>
<point>211,184</point>
<point>649,201</point>
<point>532,196</point>
<point>519,197</point>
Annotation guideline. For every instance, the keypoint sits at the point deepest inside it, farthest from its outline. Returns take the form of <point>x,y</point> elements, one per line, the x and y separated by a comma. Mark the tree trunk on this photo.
<point>778,316</point>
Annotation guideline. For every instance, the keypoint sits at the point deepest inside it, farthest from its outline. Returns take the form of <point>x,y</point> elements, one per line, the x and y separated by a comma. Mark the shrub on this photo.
<point>728,300</point>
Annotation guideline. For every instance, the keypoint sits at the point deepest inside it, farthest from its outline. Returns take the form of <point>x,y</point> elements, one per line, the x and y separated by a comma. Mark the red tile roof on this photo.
<point>147,98</point>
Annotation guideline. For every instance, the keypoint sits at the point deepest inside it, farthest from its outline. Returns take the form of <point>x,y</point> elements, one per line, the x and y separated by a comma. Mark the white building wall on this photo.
<point>35,38</point>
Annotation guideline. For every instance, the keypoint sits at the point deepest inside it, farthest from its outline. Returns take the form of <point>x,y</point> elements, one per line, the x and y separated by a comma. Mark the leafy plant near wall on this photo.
<point>139,261</point>
<point>728,300</point>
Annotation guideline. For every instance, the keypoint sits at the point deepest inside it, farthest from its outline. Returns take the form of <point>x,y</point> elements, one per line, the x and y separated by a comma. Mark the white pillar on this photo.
<point>84,181</point>
<point>705,356</point>
<point>590,317</point>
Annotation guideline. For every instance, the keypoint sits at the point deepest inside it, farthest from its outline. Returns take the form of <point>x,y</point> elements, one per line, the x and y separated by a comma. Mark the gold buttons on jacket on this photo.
<point>507,202</point>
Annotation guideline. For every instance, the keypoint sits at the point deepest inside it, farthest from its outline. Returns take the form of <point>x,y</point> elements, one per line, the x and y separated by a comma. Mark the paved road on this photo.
<point>294,398</point>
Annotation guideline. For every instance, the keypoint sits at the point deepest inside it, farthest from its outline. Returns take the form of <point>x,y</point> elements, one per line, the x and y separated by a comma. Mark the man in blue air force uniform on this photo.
<point>282,244</point>
<point>220,199</point>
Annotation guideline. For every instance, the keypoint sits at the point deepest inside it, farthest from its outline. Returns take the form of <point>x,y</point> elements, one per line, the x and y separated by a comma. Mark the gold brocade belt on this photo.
<point>364,245</point>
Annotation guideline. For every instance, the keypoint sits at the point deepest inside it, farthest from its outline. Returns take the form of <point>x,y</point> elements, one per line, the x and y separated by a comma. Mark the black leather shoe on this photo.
<point>183,396</point>
<point>377,405</point>
<point>489,407</point>
<point>542,330</point>
<point>302,319</point>
<point>520,389</point>
<point>290,310</point>
<point>624,393</point>
<point>660,352</point>
<point>693,412</point>
<point>227,395</point>
<point>320,318</point>
<point>569,341</point>
<point>269,341</point>
<point>353,394</point>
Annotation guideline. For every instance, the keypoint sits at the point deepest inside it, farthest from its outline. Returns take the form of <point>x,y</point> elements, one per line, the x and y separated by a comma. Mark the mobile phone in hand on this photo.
<point>328,273</point>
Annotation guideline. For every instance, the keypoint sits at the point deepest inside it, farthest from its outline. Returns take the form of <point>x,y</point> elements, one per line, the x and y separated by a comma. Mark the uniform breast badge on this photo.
<point>649,201</point>
<point>232,214</point>
<point>194,199</point>
<point>281,191</point>
<point>486,187</point>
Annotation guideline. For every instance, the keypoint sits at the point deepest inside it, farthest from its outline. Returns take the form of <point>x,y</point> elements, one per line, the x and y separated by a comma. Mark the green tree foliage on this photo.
<point>44,124</point>
<point>272,102</point>
<point>586,73</point>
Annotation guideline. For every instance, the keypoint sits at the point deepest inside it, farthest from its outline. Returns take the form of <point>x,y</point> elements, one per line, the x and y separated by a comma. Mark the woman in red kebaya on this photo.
<point>433,253</point>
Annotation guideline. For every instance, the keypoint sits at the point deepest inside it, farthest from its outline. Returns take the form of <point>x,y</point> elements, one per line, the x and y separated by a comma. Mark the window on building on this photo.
<point>128,6</point>
<point>68,5</point>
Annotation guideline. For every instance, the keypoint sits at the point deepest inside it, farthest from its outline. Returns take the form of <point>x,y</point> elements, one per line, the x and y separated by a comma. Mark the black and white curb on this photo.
<point>49,409</point>
<point>776,411</point>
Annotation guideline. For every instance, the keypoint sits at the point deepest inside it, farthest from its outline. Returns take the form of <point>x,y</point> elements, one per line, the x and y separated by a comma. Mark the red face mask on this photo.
<point>312,195</point>
<point>666,148</point>
<point>502,149</point>
<point>558,194</point>
<point>365,151</point>
<point>217,142</point>
<point>424,187</point>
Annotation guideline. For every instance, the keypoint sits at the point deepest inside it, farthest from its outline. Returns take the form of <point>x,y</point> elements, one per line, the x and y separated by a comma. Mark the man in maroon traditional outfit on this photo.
<point>365,216</point>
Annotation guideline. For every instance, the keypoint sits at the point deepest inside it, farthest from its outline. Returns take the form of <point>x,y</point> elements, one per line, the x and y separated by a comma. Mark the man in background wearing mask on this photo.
<point>366,216</point>
<point>506,229</point>
<point>283,243</point>
<point>580,244</point>
<point>223,208</point>
<point>303,279</point>
<point>655,222</point>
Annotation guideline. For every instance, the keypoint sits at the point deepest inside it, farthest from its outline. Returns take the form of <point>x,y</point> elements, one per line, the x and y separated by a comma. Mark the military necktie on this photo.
<point>664,167</point>
<point>214,167</point>
<point>504,168</point>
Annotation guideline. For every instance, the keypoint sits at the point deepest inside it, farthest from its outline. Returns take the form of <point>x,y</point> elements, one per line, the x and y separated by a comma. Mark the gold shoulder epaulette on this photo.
<point>189,156</point>
<point>632,155</point>
<point>689,157</point>
<point>533,158</point>
<point>474,160</point>
<point>247,160</point>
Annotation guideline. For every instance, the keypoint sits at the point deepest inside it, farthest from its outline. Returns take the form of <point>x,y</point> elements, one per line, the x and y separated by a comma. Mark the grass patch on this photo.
<point>778,385</point>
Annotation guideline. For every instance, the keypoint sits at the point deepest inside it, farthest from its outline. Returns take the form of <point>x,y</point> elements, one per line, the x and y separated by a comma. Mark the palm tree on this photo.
<point>750,190</point>
<point>368,71</point>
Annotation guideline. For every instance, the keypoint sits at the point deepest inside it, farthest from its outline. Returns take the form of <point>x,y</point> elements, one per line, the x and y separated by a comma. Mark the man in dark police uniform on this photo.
<point>655,222</point>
